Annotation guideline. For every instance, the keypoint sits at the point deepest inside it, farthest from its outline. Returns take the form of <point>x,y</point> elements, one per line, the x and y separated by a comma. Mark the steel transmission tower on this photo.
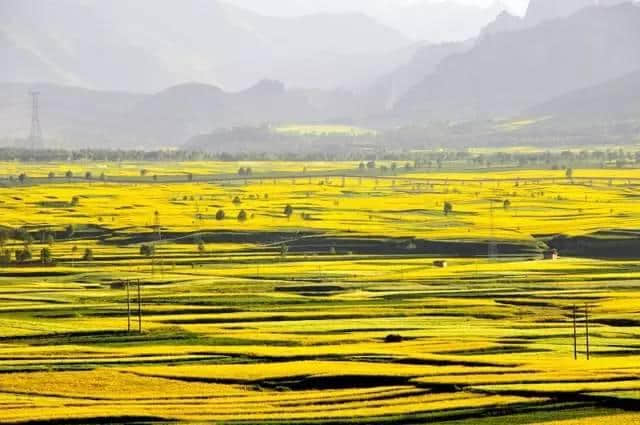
<point>35,136</point>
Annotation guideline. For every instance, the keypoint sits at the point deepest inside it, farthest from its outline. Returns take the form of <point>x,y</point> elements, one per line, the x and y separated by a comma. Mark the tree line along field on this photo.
<point>318,297</point>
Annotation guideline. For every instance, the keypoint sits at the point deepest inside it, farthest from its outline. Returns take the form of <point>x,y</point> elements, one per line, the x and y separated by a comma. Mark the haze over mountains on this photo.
<point>432,20</point>
<point>154,74</point>
<point>148,45</point>
<point>507,72</point>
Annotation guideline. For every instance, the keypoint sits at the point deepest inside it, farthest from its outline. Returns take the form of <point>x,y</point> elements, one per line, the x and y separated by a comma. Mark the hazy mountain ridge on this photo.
<point>422,20</point>
<point>541,11</point>
<point>391,88</point>
<point>76,117</point>
<point>505,73</point>
<point>149,45</point>
<point>383,94</point>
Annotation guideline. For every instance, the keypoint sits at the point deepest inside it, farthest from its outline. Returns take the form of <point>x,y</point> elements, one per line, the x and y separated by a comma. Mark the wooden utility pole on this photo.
<point>586,327</point>
<point>128,308</point>
<point>575,335</point>
<point>139,309</point>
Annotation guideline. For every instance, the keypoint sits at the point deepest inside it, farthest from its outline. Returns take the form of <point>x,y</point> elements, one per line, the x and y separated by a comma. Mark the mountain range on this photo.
<point>148,45</point>
<point>506,72</point>
<point>78,117</point>
<point>563,69</point>
<point>421,20</point>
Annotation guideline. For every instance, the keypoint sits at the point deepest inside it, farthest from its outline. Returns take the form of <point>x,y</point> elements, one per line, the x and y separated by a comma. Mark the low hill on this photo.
<point>75,117</point>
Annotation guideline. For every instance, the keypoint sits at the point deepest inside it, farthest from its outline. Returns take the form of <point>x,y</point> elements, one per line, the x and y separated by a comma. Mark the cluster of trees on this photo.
<point>25,253</point>
<point>88,175</point>
<point>371,165</point>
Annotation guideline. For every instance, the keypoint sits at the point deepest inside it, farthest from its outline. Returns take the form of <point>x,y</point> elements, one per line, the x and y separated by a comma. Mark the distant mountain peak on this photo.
<point>192,86</point>
<point>504,22</point>
<point>266,87</point>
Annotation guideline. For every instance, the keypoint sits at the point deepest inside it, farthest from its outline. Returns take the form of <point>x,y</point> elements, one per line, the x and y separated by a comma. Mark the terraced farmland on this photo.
<point>336,310</point>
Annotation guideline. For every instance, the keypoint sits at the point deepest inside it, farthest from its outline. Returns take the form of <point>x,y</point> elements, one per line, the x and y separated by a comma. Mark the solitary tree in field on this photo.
<point>45,256</point>
<point>69,231</point>
<point>88,175</point>
<point>220,215</point>
<point>448,208</point>
<point>68,174</point>
<point>22,177</point>
<point>75,201</point>
<point>569,173</point>
<point>51,175</point>
<point>147,250</point>
<point>506,204</point>
<point>242,216</point>
<point>288,211</point>
<point>236,200</point>
<point>143,172</point>
<point>361,167</point>
<point>88,254</point>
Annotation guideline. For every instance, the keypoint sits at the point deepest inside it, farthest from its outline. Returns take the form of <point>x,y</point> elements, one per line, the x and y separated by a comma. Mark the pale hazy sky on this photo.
<point>430,20</point>
<point>515,6</point>
<point>367,6</point>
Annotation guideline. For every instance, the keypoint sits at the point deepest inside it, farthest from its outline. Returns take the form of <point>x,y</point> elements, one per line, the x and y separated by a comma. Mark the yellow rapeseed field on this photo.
<point>317,298</point>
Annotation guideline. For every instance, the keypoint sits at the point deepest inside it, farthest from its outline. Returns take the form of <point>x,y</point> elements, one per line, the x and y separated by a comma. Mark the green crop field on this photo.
<point>187,294</point>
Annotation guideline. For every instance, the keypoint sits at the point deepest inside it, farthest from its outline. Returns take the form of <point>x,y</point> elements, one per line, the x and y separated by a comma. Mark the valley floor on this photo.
<point>337,314</point>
